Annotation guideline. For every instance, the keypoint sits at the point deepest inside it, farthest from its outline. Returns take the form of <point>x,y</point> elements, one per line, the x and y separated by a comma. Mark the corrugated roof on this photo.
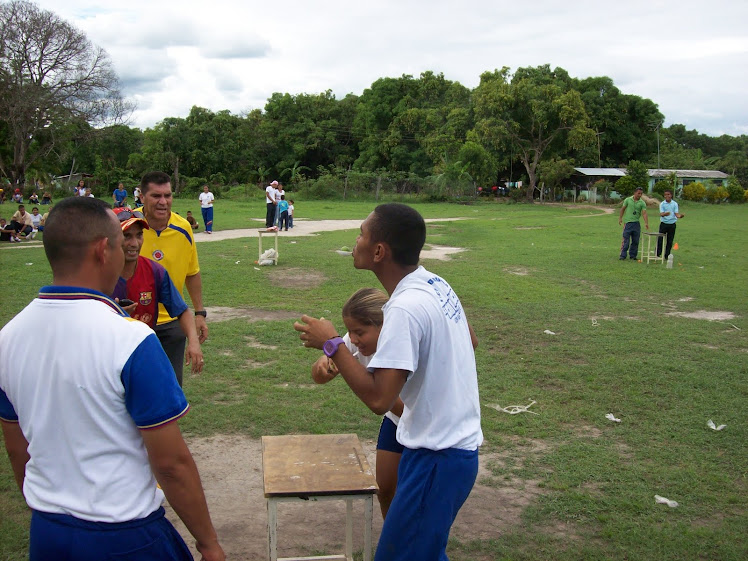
<point>604,172</point>
<point>689,173</point>
<point>682,173</point>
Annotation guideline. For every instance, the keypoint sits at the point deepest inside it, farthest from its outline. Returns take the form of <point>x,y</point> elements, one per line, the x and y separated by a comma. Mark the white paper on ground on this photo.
<point>513,409</point>
<point>712,426</point>
<point>548,332</point>
<point>664,501</point>
<point>611,417</point>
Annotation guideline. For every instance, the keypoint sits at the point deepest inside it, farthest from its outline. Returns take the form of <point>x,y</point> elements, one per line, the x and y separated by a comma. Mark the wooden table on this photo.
<point>315,468</point>
<point>265,231</point>
<point>651,254</point>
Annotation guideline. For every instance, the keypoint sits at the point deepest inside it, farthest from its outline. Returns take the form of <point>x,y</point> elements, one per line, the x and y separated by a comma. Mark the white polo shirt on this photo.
<point>82,402</point>
<point>425,332</point>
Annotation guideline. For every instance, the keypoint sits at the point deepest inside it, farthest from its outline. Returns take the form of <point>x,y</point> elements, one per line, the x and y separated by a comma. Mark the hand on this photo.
<point>314,332</point>
<point>129,309</point>
<point>620,222</point>
<point>324,370</point>
<point>211,552</point>
<point>194,357</point>
<point>646,226</point>
<point>202,329</point>
<point>666,213</point>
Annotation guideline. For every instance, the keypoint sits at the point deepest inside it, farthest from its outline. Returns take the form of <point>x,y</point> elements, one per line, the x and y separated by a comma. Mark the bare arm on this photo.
<point>620,215</point>
<point>17,447</point>
<point>646,218</point>
<point>195,288</point>
<point>193,356</point>
<point>473,337</point>
<point>378,390</point>
<point>176,472</point>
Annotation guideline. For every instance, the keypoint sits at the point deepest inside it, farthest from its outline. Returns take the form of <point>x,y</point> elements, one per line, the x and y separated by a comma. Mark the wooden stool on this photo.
<point>314,468</point>
<point>651,254</point>
<point>262,231</point>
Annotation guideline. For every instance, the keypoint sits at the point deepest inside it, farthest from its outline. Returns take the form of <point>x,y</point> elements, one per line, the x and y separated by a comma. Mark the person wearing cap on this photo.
<point>147,284</point>
<point>171,243</point>
<point>89,424</point>
<point>270,202</point>
<point>632,209</point>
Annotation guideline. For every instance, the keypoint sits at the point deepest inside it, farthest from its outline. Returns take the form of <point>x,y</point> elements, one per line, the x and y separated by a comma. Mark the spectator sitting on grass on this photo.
<point>46,198</point>
<point>192,221</point>
<point>7,233</point>
<point>21,221</point>
<point>34,199</point>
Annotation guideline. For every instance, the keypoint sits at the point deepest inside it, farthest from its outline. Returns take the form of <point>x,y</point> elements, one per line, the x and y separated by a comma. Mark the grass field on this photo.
<point>622,345</point>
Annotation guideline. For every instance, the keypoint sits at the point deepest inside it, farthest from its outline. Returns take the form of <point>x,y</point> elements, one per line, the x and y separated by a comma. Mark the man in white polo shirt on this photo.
<point>90,426</point>
<point>425,356</point>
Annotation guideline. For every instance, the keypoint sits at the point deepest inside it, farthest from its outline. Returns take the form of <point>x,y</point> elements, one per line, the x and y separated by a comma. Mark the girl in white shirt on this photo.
<point>363,318</point>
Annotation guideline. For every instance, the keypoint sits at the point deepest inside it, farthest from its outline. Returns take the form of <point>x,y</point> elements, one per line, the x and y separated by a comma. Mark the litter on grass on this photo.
<point>664,501</point>
<point>341,252</point>
<point>513,409</point>
<point>712,426</point>
<point>548,332</point>
<point>612,417</point>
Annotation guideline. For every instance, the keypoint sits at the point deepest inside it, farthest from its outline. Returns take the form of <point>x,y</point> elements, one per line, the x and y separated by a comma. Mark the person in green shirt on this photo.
<point>632,209</point>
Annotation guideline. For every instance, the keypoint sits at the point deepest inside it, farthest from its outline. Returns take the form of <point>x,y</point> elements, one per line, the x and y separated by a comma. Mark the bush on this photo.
<point>716,195</point>
<point>735,191</point>
<point>625,186</point>
<point>191,185</point>
<point>518,194</point>
<point>694,192</point>
<point>670,181</point>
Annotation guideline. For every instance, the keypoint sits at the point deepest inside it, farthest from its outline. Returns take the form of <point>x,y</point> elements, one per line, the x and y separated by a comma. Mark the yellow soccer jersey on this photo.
<point>175,249</point>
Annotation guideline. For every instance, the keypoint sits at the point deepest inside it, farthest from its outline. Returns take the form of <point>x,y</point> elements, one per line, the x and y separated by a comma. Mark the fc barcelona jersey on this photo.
<point>149,287</point>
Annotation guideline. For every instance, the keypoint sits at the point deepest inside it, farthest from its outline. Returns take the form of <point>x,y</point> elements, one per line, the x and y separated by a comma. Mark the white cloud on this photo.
<point>687,57</point>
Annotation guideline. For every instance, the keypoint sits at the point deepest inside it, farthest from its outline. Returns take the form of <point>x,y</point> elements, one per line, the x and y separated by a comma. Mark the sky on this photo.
<point>689,57</point>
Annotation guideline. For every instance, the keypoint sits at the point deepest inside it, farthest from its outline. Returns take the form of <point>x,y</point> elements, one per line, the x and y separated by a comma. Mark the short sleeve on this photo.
<point>152,395</point>
<point>7,412</point>
<point>399,342</point>
<point>168,295</point>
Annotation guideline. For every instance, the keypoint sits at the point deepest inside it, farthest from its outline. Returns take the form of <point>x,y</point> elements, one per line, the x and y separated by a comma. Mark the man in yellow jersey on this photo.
<point>169,241</point>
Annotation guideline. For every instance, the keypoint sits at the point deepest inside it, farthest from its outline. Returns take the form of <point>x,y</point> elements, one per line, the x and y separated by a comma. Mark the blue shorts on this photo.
<point>65,538</point>
<point>387,437</point>
<point>432,485</point>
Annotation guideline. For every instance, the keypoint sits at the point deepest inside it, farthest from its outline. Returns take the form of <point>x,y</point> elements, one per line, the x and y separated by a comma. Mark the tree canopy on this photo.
<point>61,112</point>
<point>53,79</point>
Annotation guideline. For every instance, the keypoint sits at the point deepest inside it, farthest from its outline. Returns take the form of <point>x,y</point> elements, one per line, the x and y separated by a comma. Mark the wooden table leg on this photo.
<point>368,517</point>
<point>349,529</point>
<point>272,530</point>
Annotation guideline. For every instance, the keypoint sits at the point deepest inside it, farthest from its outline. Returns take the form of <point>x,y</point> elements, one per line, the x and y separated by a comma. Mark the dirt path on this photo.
<point>231,471</point>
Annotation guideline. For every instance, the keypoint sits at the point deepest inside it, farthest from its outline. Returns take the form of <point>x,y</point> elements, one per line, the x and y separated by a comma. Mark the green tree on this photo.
<point>554,171</point>
<point>50,76</point>
<point>623,124</point>
<point>536,115</point>
<point>735,191</point>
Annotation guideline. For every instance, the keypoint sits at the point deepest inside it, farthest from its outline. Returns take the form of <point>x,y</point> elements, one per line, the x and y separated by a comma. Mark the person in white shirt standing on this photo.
<point>424,355</point>
<point>271,201</point>
<point>206,207</point>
